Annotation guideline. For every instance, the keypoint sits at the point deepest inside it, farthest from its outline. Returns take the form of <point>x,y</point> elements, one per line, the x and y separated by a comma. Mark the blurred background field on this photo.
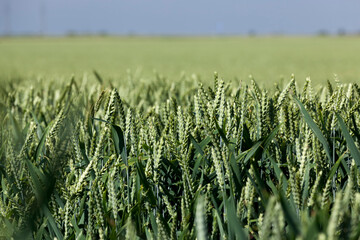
<point>268,59</point>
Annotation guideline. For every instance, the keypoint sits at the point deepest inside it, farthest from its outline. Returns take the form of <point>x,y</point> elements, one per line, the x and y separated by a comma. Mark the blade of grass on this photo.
<point>349,140</point>
<point>316,130</point>
<point>98,77</point>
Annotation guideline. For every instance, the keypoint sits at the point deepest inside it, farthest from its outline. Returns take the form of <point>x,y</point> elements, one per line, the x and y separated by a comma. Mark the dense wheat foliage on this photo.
<point>180,162</point>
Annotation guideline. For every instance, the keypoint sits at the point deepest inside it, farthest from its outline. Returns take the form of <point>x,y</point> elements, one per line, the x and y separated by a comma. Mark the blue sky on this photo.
<point>178,17</point>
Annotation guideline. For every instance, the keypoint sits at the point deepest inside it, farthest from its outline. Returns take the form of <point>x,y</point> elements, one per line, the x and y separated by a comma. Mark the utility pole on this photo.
<point>42,13</point>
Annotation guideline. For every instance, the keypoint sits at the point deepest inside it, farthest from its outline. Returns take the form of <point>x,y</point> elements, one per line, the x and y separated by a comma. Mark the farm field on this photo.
<point>138,154</point>
<point>268,59</point>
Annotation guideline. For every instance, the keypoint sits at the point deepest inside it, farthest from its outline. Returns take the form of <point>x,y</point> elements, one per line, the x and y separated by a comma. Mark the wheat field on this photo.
<point>268,59</point>
<point>179,160</point>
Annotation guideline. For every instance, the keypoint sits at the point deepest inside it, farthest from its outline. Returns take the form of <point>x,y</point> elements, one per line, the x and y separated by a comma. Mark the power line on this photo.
<point>42,12</point>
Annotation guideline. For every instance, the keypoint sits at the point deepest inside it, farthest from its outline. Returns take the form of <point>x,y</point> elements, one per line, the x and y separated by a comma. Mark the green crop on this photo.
<point>269,59</point>
<point>174,161</point>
